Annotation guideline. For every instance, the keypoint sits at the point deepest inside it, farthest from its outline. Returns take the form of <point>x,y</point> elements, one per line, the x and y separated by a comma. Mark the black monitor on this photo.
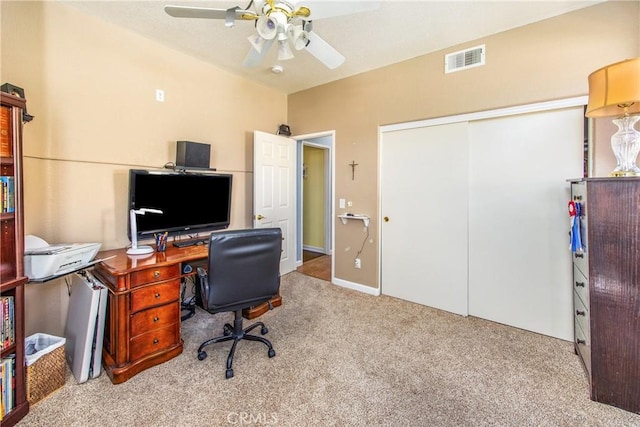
<point>190,202</point>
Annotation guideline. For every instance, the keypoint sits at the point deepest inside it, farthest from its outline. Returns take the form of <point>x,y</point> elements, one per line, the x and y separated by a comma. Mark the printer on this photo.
<point>43,260</point>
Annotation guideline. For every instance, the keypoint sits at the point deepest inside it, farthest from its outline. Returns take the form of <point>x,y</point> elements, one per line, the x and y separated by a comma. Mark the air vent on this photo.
<point>463,59</point>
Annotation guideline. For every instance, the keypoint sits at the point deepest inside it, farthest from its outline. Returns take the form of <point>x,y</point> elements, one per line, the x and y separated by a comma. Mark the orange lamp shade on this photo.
<point>614,90</point>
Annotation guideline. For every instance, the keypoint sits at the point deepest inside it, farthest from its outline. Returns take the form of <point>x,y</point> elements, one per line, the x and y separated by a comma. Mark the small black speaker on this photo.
<point>193,154</point>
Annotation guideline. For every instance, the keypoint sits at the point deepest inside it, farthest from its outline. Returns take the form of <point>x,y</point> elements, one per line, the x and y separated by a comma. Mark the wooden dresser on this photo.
<point>606,284</point>
<point>142,325</point>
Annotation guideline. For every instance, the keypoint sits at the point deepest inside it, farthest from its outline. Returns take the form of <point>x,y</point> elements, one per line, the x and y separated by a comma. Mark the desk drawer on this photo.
<point>155,295</point>
<point>155,274</point>
<point>156,340</point>
<point>154,318</point>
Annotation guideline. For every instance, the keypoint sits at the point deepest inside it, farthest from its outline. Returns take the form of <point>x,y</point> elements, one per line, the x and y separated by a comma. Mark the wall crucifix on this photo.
<point>353,165</point>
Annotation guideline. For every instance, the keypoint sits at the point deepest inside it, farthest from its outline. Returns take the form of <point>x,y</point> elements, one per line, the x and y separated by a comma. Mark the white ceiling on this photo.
<point>394,32</point>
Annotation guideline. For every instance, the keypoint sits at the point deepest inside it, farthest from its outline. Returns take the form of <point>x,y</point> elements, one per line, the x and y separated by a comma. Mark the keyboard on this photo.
<point>191,242</point>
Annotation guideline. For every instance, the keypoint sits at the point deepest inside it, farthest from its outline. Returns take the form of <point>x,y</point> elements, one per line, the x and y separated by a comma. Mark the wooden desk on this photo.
<point>142,325</point>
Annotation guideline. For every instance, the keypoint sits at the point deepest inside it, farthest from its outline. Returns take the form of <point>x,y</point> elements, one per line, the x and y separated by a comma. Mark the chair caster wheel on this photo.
<point>264,330</point>
<point>272,352</point>
<point>202,355</point>
<point>229,373</point>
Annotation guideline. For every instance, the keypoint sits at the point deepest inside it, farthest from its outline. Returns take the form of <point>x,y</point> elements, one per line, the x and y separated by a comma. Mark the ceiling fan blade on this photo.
<point>325,9</point>
<point>254,58</point>
<point>206,13</point>
<point>324,52</point>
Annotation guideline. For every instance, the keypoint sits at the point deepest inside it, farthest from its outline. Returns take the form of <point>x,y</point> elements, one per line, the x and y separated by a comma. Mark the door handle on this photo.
<point>259,217</point>
<point>386,219</point>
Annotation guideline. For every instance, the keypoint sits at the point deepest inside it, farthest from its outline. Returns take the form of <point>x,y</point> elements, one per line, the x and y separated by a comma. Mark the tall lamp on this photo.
<point>614,91</point>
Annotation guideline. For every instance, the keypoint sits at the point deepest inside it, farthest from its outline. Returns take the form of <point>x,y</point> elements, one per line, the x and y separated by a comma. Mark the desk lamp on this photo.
<point>614,91</point>
<point>135,249</point>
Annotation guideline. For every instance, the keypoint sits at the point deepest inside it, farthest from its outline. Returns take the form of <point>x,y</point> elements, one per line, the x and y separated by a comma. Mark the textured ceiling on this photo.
<point>394,32</point>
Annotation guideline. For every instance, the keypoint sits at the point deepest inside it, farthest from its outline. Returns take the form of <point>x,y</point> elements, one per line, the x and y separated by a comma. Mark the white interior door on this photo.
<point>424,195</point>
<point>274,196</point>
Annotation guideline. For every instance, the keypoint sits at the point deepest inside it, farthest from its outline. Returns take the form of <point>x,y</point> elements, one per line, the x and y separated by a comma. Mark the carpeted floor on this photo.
<point>347,359</point>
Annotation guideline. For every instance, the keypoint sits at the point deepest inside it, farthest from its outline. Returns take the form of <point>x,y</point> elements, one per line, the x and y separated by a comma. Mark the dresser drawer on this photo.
<point>583,347</point>
<point>156,340</point>
<point>155,295</point>
<point>156,274</point>
<point>581,285</point>
<point>154,318</point>
<point>580,260</point>
<point>581,316</point>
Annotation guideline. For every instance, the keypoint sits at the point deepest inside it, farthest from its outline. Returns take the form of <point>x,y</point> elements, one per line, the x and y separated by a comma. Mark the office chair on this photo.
<point>243,271</point>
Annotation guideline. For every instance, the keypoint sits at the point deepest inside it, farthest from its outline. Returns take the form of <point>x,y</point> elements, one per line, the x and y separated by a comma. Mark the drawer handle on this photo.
<point>155,319</point>
<point>579,341</point>
<point>157,295</point>
<point>580,313</point>
<point>579,284</point>
<point>577,255</point>
<point>156,341</point>
<point>156,274</point>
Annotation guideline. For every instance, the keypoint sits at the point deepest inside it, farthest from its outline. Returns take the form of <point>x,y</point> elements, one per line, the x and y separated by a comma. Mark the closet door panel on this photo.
<point>519,258</point>
<point>424,182</point>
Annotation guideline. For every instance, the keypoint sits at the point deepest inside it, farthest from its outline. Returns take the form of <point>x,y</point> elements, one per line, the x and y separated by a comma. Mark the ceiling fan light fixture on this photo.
<point>267,27</point>
<point>299,37</point>
<point>257,42</point>
<point>284,51</point>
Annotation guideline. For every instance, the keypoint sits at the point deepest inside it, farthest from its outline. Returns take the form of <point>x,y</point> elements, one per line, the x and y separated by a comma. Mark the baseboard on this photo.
<point>356,286</point>
<point>315,249</point>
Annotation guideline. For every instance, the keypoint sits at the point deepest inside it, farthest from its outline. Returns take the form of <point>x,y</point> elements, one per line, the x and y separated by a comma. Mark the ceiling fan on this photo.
<point>285,21</point>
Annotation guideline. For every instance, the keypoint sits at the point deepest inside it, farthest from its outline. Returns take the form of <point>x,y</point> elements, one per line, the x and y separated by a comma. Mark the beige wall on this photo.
<point>91,87</point>
<point>539,62</point>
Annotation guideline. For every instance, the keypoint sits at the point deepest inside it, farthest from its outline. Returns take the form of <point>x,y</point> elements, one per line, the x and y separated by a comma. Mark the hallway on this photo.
<point>316,265</point>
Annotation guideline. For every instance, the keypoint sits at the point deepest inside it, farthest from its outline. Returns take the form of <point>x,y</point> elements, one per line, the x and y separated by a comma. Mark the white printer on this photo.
<point>43,260</point>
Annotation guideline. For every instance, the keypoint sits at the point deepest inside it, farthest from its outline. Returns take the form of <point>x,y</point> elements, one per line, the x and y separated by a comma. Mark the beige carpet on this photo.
<point>347,359</point>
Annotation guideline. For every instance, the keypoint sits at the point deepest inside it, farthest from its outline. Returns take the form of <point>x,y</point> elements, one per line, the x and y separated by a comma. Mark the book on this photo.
<point>6,143</point>
<point>7,194</point>
<point>8,325</point>
<point>2,390</point>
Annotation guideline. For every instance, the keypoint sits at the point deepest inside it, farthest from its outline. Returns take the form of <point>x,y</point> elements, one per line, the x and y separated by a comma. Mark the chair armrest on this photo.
<point>204,287</point>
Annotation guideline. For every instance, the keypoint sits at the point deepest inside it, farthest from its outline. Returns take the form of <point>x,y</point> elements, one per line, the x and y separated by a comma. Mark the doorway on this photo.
<point>315,204</point>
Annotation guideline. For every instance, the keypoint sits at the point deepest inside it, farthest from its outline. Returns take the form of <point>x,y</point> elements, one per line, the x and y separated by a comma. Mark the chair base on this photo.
<point>237,333</point>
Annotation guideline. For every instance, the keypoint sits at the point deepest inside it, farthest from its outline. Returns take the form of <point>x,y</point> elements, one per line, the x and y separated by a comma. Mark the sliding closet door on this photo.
<point>424,191</point>
<point>519,261</point>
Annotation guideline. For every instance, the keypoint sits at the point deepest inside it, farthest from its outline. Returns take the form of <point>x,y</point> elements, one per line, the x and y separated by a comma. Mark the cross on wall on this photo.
<point>353,165</point>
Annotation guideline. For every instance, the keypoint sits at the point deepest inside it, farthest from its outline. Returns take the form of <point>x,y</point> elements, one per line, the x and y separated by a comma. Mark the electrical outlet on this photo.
<point>358,263</point>
<point>159,95</point>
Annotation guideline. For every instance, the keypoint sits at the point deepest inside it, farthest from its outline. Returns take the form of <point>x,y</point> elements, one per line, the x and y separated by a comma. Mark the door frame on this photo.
<point>311,140</point>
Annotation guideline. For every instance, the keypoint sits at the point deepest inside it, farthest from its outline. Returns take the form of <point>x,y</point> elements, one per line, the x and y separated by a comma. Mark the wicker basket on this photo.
<point>46,375</point>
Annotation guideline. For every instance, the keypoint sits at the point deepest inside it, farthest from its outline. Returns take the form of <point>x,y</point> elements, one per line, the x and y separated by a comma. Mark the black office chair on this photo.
<point>244,271</point>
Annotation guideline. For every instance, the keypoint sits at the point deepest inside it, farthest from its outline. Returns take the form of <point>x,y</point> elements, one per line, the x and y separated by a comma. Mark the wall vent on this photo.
<point>464,59</point>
